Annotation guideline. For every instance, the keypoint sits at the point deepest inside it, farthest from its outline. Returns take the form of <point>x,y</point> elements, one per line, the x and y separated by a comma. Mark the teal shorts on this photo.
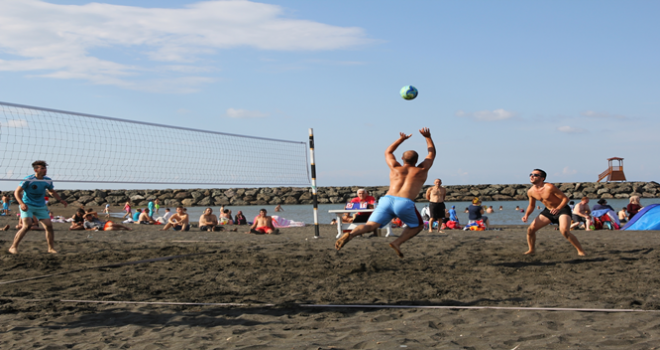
<point>39,212</point>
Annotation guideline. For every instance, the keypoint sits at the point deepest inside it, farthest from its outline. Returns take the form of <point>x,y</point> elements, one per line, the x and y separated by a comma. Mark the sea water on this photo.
<point>305,213</point>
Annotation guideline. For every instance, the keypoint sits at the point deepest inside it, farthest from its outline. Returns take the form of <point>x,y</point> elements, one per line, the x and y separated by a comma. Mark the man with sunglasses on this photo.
<point>556,210</point>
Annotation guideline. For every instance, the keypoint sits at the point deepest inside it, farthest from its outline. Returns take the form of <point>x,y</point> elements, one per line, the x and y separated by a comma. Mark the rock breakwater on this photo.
<point>303,195</point>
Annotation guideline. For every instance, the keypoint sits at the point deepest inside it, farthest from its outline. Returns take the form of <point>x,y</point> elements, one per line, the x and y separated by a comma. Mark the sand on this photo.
<point>271,276</point>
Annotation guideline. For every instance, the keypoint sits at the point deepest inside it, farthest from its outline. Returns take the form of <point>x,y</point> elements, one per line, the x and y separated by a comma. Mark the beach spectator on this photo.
<point>490,210</point>
<point>602,204</point>
<point>425,213</point>
<point>225,218</point>
<point>582,214</point>
<point>77,220</point>
<point>136,215</point>
<point>93,223</point>
<point>346,218</point>
<point>156,206</point>
<point>167,214</point>
<point>452,214</point>
<point>151,208</point>
<point>178,221</point>
<point>145,218</point>
<point>571,205</point>
<point>363,197</point>
<point>106,210</point>
<point>633,207</point>
<point>128,209</point>
<point>476,211</point>
<point>279,208</point>
<point>334,221</point>
<point>208,221</point>
<point>263,224</point>
<point>623,215</point>
<point>436,197</point>
<point>5,205</point>
<point>240,219</point>
<point>467,210</point>
<point>34,224</point>
<point>91,211</point>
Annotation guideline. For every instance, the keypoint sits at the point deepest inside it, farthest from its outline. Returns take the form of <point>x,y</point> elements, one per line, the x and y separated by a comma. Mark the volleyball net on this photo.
<point>88,148</point>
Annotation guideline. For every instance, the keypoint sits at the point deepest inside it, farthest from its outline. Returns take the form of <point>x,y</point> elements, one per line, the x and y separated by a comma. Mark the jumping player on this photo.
<point>406,182</point>
<point>30,197</point>
<point>556,210</point>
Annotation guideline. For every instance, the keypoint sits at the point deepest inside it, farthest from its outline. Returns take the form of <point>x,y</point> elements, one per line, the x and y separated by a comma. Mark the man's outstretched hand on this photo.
<point>403,136</point>
<point>425,132</point>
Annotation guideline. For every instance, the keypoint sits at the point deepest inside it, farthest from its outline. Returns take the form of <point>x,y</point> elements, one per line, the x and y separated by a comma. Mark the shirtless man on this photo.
<point>30,197</point>
<point>582,214</point>
<point>208,221</point>
<point>406,182</point>
<point>145,218</point>
<point>556,210</point>
<point>436,197</point>
<point>263,224</point>
<point>178,221</point>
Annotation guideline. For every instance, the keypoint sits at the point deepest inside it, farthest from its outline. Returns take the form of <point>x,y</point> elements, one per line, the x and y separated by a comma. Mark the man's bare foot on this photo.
<point>52,251</point>
<point>529,252</point>
<point>396,248</point>
<point>582,253</point>
<point>343,240</point>
<point>6,228</point>
<point>13,250</point>
<point>430,230</point>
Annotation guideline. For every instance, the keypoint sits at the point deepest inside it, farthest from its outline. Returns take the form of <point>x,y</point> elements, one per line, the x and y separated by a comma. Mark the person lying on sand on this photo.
<point>263,224</point>
<point>95,224</point>
<point>405,183</point>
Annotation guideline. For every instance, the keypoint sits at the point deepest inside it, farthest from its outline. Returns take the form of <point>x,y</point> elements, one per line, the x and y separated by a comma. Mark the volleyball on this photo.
<point>408,92</point>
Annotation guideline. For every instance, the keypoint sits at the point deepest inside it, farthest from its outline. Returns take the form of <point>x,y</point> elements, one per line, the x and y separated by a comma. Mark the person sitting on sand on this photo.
<point>34,224</point>
<point>623,215</point>
<point>263,224</point>
<point>633,207</point>
<point>178,221</point>
<point>240,219</point>
<point>136,215</point>
<point>93,223</point>
<point>77,220</point>
<point>476,211</point>
<point>208,221</point>
<point>145,218</point>
<point>225,218</point>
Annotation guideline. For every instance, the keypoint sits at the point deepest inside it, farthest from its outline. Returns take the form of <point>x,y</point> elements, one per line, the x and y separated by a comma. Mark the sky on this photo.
<point>504,86</point>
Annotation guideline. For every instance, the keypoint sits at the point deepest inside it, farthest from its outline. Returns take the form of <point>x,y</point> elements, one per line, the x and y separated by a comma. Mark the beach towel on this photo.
<point>279,222</point>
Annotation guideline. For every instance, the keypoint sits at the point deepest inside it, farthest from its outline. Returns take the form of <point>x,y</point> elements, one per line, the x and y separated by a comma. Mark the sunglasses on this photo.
<point>535,175</point>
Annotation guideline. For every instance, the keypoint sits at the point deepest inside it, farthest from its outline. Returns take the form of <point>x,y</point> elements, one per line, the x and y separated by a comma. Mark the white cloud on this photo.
<point>496,115</point>
<point>243,114</point>
<point>66,41</point>
<point>600,115</point>
<point>15,123</point>
<point>571,130</point>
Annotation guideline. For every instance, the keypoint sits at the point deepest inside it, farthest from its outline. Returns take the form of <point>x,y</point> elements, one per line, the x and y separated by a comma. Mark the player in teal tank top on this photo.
<point>30,197</point>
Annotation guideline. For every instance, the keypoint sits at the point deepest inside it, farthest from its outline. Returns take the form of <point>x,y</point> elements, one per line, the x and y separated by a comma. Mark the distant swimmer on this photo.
<point>405,183</point>
<point>556,210</point>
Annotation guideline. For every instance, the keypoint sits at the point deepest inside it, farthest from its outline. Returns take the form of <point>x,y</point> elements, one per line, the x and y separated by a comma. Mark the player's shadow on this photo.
<point>519,264</point>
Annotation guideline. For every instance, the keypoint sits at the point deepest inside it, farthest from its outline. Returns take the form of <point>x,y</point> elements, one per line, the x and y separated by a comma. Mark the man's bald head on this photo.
<point>410,157</point>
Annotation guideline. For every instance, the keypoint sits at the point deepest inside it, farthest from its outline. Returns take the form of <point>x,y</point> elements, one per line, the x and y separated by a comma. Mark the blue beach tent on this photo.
<point>647,219</point>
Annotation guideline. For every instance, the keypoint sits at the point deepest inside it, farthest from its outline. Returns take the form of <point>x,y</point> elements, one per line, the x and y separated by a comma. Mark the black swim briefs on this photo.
<point>437,210</point>
<point>566,210</point>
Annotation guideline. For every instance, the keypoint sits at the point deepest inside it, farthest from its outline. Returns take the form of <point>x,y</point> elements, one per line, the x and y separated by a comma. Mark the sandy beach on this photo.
<point>275,278</point>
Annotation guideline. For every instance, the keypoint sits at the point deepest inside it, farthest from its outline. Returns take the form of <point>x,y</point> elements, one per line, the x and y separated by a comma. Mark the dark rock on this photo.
<point>182,195</point>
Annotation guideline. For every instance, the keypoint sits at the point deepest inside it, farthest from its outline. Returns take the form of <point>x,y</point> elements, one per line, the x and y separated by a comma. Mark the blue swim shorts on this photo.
<point>390,207</point>
<point>39,212</point>
<point>5,206</point>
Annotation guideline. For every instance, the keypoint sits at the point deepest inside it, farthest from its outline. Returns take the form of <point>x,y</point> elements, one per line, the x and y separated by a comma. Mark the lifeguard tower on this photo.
<point>614,172</point>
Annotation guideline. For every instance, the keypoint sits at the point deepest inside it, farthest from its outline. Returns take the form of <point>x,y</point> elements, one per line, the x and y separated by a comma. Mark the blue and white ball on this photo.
<point>408,92</point>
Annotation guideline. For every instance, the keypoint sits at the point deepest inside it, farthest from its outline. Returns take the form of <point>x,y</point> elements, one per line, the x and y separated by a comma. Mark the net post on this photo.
<point>315,202</point>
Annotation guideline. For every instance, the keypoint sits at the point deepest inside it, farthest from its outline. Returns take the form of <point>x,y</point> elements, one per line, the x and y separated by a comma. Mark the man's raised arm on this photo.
<point>389,152</point>
<point>428,161</point>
